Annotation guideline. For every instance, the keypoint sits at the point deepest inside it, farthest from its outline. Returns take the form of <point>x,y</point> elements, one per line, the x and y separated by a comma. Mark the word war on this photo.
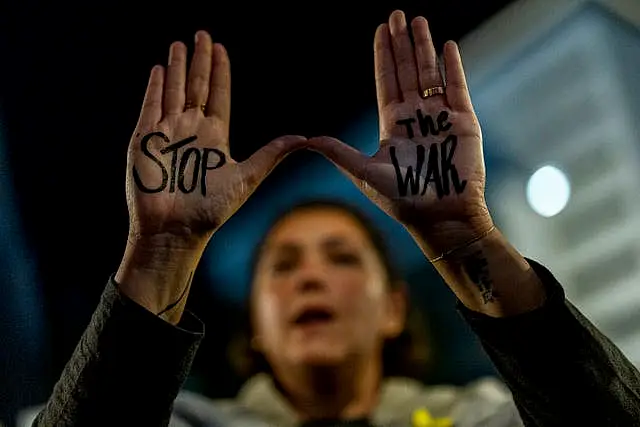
<point>440,170</point>
<point>200,165</point>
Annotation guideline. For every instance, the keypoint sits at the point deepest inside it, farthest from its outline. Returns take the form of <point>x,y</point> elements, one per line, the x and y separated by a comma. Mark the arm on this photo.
<point>181,186</point>
<point>429,174</point>
<point>560,368</point>
<point>127,368</point>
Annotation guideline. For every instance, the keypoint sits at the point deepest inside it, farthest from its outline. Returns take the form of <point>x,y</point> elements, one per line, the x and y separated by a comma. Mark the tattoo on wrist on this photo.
<point>477,268</point>
<point>440,168</point>
<point>200,165</point>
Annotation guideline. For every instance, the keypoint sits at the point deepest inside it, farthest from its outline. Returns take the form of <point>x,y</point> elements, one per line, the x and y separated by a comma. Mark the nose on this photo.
<point>311,276</point>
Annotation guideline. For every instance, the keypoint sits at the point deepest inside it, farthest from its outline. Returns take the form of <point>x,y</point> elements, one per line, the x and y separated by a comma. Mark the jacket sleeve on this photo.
<point>127,368</point>
<point>560,368</point>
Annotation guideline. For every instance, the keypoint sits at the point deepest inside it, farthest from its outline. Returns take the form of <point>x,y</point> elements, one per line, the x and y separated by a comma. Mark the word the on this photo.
<point>427,124</point>
<point>440,169</point>
<point>200,166</point>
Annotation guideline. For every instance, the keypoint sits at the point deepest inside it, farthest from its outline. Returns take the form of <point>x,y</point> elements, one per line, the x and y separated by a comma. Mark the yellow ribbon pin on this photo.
<point>422,418</point>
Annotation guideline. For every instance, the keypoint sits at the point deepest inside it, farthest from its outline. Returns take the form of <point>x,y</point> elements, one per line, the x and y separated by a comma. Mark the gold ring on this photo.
<point>432,91</point>
<point>189,104</point>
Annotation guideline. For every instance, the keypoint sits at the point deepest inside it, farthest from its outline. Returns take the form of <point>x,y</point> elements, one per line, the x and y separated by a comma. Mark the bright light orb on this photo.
<point>548,191</point>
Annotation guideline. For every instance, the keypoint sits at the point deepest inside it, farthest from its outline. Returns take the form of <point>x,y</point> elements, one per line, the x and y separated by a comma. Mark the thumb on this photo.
<point>261,163</point>
<point>342,155</point>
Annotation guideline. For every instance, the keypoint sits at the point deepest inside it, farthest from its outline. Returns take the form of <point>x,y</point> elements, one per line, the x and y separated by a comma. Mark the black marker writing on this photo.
<point>173,148</point>
<point>200,165</point>
<point>183,166</point>
<point>448,168</point>
<point>408,124</point>
<point>409,179</point>
<point>433,173</point>
<point>440,170</point>
<point>428,126</point>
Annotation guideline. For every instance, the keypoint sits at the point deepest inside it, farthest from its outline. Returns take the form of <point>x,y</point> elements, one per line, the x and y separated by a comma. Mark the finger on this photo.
<point>403,54</point>
<point>199,72</point>
<point>219,103</point>
<point>256,168</point>
<point>176,76</point>
<point>151,112</point>
<point>386,81</point>
<point>343,155</point>
<point>457,90</point>
<point>426,58</point>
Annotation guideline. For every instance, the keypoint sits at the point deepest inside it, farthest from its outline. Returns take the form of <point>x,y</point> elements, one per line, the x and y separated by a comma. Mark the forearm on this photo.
<point>157,274</point>
<point>126,369</point>
<point>129,364</point>
<point>561,369</point>
<point>488,276</point>
<point>546,351</point>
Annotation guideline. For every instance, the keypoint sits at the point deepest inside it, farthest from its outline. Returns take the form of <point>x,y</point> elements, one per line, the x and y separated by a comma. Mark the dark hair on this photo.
<point>406,355</point>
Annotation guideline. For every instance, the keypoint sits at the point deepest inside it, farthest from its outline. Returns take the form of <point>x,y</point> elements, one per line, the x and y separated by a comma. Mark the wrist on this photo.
<point>156,273</point>
<point>469,244</point>
<point>490,276</point>
<point>168,241</point>
<point>446,239</point>
<point>161,252</point>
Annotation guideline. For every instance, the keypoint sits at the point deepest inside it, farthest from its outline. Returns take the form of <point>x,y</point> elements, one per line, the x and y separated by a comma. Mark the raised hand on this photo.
<point>182,183</point>
<point>428,172</point>
<point>181,179</point>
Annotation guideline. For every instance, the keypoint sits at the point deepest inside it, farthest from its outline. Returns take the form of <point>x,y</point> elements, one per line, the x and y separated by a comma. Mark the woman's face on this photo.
<point>320,295</point>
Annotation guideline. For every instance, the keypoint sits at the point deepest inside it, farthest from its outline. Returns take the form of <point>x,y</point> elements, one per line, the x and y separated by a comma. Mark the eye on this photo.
<point>283,265</point>
<point>345,258</point>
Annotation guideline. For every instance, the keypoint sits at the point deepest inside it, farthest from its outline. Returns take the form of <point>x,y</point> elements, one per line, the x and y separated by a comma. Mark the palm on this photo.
<point>181,179</point>
<point>429,167</point>
<point>182,203</point>
<point>408,175</point>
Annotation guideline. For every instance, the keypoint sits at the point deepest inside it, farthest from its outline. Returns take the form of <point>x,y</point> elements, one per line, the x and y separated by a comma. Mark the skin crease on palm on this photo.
<point>322,257</point>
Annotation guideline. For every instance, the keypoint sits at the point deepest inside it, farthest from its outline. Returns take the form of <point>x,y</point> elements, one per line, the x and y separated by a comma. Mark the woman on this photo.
<point>328,309</point>
<point>324,306</point>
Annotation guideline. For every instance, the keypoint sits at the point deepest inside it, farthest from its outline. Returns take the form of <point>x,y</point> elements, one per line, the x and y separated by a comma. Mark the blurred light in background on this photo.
<point>552,86</point>
<point>561,86</point>
<point>548,191</point>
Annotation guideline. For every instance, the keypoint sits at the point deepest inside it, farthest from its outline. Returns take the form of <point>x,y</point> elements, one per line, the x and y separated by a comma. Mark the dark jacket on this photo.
<point>129,367</point>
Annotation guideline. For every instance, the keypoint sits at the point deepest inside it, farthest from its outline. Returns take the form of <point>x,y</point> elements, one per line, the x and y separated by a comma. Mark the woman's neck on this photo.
<point>339,392</point>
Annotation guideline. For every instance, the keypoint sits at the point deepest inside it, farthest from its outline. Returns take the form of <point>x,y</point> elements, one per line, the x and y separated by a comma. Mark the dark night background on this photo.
<point>73,79</point>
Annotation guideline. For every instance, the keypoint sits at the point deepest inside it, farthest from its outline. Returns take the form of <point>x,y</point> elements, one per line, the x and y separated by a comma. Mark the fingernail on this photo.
<point>399,15</point>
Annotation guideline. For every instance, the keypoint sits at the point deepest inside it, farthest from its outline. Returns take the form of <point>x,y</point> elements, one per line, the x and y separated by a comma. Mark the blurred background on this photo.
<point>556,84</point>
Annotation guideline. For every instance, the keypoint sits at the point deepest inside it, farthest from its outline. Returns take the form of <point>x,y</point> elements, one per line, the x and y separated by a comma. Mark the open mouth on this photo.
<point>314,316</point>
